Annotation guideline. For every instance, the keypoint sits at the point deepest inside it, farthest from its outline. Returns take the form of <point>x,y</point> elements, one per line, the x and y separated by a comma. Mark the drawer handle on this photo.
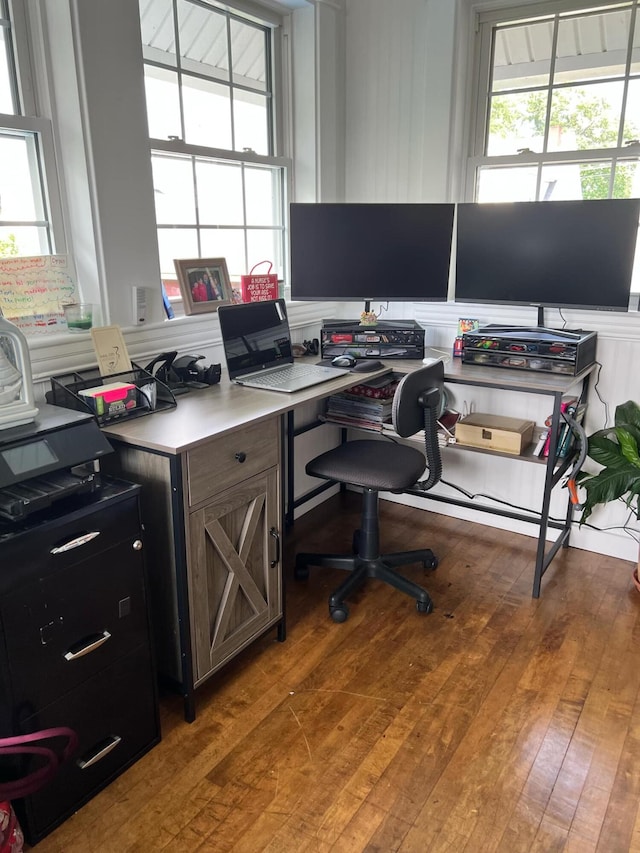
<point>91,646</point>
<point>75,543</point>
<point>240,456</point>
<point>102,752</point>
<point>275,535</point>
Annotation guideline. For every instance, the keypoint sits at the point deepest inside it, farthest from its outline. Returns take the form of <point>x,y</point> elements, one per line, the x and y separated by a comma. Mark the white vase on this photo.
<point>17,405</point>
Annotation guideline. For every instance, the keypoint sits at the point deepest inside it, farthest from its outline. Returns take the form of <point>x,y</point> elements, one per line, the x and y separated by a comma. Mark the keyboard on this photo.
<point>293,371</point>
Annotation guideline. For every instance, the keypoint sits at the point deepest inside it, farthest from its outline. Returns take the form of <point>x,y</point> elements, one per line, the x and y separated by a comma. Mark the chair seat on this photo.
<point>379,465</point>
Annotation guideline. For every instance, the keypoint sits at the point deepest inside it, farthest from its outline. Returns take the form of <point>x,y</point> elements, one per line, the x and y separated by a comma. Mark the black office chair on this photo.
<point>387,466</point>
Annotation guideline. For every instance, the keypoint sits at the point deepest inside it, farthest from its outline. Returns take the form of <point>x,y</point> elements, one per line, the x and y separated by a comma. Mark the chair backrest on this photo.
<point>417,405</point>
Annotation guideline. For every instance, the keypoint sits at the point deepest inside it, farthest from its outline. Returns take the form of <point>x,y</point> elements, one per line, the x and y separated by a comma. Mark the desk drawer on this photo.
<point>225,461</point>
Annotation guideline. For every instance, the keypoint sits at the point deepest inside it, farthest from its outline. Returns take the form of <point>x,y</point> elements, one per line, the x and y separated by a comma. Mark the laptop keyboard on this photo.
<point>285,374</point>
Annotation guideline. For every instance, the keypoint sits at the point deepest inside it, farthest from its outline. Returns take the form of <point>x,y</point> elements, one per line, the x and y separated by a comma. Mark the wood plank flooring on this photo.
<point>496,723</point>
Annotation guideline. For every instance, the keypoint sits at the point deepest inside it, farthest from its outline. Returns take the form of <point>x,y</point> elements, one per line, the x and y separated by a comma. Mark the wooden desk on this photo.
<point>211,474</point>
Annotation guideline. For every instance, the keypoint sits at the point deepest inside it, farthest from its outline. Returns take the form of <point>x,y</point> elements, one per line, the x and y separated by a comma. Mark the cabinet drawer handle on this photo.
<point>241,456</point>
<point>91,646</point>
<point>75,543</point>
<point>102,752</point>
<point>275,535</point>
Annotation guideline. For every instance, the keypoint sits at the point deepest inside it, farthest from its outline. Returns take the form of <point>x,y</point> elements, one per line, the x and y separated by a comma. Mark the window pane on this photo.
<point>575,181</point>
<point>251,122</point>
<point>225,243</point>
<point>592,47</point>
<point>522,56</point>
<point>585,117</point>
<point>203,40</point>
<point>517,122</point>
<point>24,240</point>
<point>20,196</point>
<point>219,193</point>
<point>507,184</point>
<point>249,58</point>
<point>632,113</point>
<point>262,188</point>
<point>163,103</point>
<point>207,113</point>
<point>635,50</point>
<point>173,244</point>
<point>173,190</point>
<point>6,92</point>
<point>158,37</point>
<point>265,245</point>
<point>627,179</point>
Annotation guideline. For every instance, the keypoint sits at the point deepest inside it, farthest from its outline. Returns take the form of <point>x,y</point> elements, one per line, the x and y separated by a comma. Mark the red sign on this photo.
<point>259,288</point>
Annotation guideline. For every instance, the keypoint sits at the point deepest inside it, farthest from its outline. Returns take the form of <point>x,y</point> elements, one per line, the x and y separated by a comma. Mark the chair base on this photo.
<point>360,568</point>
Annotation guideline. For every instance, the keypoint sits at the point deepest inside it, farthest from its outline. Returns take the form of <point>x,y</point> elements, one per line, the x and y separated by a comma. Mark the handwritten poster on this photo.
<point>33,290</point>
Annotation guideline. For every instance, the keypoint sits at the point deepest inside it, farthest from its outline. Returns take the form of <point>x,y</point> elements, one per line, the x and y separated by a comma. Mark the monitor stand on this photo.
<point>558,333</point>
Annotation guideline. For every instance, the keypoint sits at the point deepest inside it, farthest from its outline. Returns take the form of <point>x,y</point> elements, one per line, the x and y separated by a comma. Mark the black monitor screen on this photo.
<point>386,252</point>
<point>563,254</point>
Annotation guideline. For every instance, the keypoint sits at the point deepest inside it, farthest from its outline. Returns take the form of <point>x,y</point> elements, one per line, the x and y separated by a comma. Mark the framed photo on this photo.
<point>204,284</point>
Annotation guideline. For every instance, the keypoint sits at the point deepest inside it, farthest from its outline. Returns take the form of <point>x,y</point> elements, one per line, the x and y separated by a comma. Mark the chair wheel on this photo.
<point>301,571</point>
<point>340,613</point>
<point>424,606</point>
<point>430,564</point>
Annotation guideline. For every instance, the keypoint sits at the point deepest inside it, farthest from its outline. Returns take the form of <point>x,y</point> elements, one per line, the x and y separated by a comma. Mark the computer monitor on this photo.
<point>370,251</point>
<point>565,254</point>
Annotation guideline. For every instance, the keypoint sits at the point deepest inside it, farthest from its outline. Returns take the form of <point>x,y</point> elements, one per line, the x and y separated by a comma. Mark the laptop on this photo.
<point>258,350</point>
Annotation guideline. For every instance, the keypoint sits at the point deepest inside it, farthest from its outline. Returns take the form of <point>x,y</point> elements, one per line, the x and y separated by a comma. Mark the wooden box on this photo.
<point>495,432</point>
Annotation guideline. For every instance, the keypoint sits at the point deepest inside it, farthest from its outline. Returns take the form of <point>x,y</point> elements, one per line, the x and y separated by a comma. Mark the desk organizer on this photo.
<point>119,396</point>
<point>559,351</point>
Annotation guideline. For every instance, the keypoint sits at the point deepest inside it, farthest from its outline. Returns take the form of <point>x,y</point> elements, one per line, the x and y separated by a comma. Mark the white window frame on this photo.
<point>485,20</point>
<point>25,32</point>
<point>275,22</point>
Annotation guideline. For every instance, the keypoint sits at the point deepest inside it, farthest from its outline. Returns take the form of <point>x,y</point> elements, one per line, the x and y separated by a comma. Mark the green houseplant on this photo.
<point>616,449</point>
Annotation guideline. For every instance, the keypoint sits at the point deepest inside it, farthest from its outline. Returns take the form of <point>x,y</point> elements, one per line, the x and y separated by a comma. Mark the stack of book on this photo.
<point>367,405</point>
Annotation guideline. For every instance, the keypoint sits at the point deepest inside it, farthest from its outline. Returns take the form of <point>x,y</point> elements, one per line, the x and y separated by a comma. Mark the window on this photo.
<point>559,117</point>
<point>218,180</point>
<point>26,150</point>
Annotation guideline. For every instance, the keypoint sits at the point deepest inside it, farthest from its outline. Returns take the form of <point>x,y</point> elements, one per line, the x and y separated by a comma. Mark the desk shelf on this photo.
<point>554,386</point>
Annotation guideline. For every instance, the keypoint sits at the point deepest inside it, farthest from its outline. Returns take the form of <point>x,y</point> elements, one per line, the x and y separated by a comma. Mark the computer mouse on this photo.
<point>344,360</point>
<point>367,366</point>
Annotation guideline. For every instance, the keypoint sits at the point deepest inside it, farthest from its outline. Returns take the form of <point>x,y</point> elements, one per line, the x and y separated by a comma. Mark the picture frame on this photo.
<point>204,284</point>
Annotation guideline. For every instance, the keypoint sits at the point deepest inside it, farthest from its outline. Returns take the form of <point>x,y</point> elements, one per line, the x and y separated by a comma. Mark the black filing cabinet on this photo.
<point>75,644</point>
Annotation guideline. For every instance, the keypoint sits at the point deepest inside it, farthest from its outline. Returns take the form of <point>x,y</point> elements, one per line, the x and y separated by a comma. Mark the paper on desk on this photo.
<point>111,350</point>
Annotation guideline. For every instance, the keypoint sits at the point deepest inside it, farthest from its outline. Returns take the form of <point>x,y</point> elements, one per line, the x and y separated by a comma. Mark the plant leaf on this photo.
<point>628,414</point>
<point>628,446</point>
<point>606,452</point>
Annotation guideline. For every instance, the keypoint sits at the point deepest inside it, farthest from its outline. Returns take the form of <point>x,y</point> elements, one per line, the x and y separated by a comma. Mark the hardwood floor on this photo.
<point>496,723</point>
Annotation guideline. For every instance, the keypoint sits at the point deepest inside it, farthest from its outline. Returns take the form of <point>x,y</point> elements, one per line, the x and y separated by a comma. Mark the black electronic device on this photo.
<point>566,254</point>
<point>389,339</point>
<point>566,352</point>
<point>182,372</point>
<point>386,252</point>
<point>49,459</point>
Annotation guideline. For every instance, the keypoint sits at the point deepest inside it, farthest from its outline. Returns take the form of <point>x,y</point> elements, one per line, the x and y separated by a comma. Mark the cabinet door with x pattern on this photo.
<point>235,588</point>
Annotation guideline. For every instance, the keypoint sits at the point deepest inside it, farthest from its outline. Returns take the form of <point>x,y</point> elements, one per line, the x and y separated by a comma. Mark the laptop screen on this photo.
<point>255,336</point>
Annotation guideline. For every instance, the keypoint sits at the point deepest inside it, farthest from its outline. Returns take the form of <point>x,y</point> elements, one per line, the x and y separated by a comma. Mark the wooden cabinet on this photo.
<point>75,645</point>
<point>214,518</point>
<point>234,580</point>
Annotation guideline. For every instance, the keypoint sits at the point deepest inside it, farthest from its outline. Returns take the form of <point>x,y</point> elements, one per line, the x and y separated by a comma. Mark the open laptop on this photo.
<point>257,347</point>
